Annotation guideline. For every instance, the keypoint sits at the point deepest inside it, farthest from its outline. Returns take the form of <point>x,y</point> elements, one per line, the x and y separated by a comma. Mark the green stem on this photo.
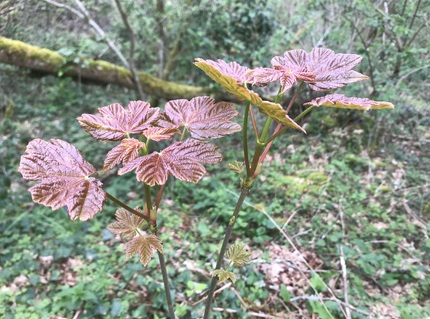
<point>305,112</point>
<point>126,207</point>
<point>245,137</point>
<point>220,259</point>
<point>152,212</point>
<point>166,285</point>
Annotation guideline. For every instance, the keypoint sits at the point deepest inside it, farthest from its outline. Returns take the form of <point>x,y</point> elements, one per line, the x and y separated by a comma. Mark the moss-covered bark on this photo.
<point>50,62</point>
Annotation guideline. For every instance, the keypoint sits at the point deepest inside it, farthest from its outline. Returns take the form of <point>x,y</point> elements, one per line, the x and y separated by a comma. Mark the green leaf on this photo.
<point>317,283</point>
<point>318,307</point>
<point>284,293</point>
<point>236,166</point>
<point>224,275</point>
<point>238,255</point>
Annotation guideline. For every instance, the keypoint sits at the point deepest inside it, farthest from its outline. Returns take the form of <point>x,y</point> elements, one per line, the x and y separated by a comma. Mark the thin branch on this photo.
<point>343,267</point>
<point>132,39</point>
<point>82,13</point>
<point>415,14</point>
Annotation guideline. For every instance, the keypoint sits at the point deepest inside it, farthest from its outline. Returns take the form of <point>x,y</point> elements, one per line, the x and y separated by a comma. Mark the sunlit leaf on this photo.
<point>115,123</point>
<point>126,224</point>
<point>181,159</point>
<point>144,246</point>
<point>238,255</point>
<point>65,178</point>
<point>224,275</point>
<point>202,117</point>
<point>231,77</point>
<point>343,102</point>
<point>124,152</point>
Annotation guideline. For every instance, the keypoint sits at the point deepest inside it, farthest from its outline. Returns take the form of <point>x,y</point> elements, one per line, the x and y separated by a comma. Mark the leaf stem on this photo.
<point>220,259</point>
<point>166,285</point>
<point>160,195</point>
<point>290,105</point>
<point>126,207</point>
<point>245,137</point>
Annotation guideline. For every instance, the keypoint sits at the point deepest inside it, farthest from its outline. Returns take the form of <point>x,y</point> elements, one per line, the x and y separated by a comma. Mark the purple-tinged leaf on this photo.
<point>125,152</point>
<point>115,123</point>
<point>181,159</point>
<point>344,102</point>
<point>160,133</point>
<point>202,117</point>
<point>64,176</point>
<point>144,247</point>
<point>126,224</point>
<point>322,69</point>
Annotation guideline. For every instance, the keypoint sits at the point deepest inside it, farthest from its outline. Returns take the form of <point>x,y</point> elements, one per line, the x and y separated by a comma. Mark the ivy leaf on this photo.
<point>343,102</point>
<point>65,178</point>
<point>238,255</point>
<point>124,152</point>
<point>232,77</point>
<point>181,159</point>
<point>144,246</point>
<point>202,117</point>
<point>224,275</point>
<point>115,123</point>
<point>236,166</point>
<point>126,224</point>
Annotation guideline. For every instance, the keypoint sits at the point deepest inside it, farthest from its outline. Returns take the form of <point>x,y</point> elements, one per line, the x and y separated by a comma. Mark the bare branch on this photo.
<point>132,48</point>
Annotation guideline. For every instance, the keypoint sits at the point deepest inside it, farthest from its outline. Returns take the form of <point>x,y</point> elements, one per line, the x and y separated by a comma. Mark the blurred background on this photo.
<point>351,199</point>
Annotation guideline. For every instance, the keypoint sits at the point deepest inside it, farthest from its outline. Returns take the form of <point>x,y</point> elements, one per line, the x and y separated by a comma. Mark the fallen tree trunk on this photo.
<point>50,62</point>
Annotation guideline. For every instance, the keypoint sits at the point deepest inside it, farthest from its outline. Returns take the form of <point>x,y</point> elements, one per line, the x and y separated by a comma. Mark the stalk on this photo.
<point>166,285</point>
<point>126,207</point>
<point>227,236</point>
<point>245,137</point>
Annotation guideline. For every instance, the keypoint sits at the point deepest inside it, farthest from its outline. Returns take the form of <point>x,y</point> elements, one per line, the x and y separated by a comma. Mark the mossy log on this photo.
<point>50,62</point>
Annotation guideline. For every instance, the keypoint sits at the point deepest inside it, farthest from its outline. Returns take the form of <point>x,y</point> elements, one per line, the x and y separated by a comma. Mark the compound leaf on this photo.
<point>126,224</point>
<point>115,123</point>
<point>144,246</point>
<point>238,255</point>
<point>344,102</point>
<point>224,275</point>
<point>65,178</point>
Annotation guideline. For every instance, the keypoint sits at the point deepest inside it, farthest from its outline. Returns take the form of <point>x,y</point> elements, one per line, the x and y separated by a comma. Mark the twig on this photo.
<point>132,39</point>
<point>343,267</point>
<point>215,293</point>
<point>83,14</point>
<point>318,298</point>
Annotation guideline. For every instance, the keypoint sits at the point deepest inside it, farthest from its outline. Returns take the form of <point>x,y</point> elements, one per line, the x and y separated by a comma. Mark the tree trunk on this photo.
<point>46,61</point>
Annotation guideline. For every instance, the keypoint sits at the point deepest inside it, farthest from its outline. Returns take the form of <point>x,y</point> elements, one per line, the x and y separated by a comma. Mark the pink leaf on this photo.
<point>344,102</point>
<point>160,133</point>
<point>64,176</point>
<point>144,247</point>
<point>126,224</point>
<point>181,159</point>
<point>124,152</point>
<point>114,122</point>
<point>202,117</point>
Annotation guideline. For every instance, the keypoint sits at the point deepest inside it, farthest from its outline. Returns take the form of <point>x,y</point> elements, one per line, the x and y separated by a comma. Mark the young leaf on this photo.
<point>115,123</point>
<point>64,176</point>
<point>181,159</point>
<point>126,224</point>
<point>202,117</point>
<point>224,275</point>
<point>124,152</point>
<point>236,166</point>
<point>238,255</point>
<point>144,247</point>
<point>322,69</point>
<point>343,102</point>
<point>160,133</point>
<point>232,77</point>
